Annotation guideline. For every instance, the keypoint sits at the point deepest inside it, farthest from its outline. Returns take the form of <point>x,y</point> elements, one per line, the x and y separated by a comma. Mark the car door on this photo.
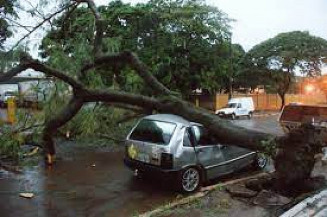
<point>241,109</point>
<point>236,157</point>
<point>208,153</point>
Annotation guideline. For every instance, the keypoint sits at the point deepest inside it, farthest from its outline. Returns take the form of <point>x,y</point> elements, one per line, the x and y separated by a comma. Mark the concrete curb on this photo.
<point>265,115</point>
<point>203,192</point>
<point>315,205</point>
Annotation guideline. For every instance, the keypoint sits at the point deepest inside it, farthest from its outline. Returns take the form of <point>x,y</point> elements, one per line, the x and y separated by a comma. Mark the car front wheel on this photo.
<point>261,161</point>
<point>233,116</point>
<point>190,180</point>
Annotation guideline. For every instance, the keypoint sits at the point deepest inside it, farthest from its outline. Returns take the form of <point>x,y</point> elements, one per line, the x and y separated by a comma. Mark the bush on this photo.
<point>10,144</point>
<point>95,120</point>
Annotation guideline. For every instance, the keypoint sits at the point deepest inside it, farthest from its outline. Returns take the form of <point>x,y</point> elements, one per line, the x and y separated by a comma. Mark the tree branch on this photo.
<point>128,107</point>
<point>29,63</point>
<point>47,19</point>
<point>99,28</point>
<point>224,131</point>
<point>68,15</point>
<point>58,120</point>
<point>135,63</point>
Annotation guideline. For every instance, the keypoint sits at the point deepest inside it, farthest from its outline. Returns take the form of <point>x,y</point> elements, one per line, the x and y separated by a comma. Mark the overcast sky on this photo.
<point>258,20</point>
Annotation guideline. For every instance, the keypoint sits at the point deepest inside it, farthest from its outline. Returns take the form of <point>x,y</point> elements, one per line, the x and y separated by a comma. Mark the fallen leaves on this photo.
<point>26,195</point>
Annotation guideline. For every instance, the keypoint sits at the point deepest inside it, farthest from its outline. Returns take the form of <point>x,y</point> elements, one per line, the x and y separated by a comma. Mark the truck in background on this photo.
<point>34,92</point>
<point>7,91</point>
<point>236,107</point>
<point>293,115</point>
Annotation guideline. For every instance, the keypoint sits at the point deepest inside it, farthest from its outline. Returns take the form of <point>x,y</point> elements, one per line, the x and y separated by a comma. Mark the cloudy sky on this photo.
<point>258,20</point>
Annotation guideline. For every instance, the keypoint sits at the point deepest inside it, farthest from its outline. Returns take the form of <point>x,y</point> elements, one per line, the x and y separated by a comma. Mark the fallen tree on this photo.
<point>293,153</point>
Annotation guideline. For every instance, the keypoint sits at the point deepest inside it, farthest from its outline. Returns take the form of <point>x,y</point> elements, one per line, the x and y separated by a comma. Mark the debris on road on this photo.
<point>26,195</point>
<point>239,190</point>
<point>268,198</point>
<point>33,152</point>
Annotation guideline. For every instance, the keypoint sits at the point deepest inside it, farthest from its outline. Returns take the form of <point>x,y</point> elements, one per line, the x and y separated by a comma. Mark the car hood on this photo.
<point>226,110</point>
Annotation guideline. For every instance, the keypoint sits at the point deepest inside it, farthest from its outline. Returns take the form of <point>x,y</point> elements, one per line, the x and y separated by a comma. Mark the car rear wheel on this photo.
<point>190,180</point>
<point>250,115</point>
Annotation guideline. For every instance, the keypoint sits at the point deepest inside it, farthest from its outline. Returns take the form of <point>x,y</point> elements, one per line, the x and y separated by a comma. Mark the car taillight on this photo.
<point>166,161</point>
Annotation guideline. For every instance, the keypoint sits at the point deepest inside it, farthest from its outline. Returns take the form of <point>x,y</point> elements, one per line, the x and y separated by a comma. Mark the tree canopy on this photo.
<point>277,60</point>
<point>181,41</point>
<point>6,11</point>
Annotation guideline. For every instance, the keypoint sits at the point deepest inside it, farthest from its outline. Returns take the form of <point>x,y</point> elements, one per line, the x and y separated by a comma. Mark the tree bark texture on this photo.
<point>55,122</point>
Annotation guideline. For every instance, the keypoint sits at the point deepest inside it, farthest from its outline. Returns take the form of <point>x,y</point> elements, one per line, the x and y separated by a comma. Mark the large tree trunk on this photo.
<point>55,122</point>
<point>294,159</point>
<point>282,97</point>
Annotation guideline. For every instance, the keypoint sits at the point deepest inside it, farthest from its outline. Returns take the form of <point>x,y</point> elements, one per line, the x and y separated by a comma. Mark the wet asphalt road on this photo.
<point>87,182</point>
<point>262,123</point>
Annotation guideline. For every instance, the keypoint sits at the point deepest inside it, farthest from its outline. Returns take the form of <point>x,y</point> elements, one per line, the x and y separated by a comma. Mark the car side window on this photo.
<point>202,136</point>
<point>187,138</point>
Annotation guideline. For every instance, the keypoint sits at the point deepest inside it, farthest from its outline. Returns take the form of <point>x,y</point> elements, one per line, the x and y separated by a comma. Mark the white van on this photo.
<point>236,107</point>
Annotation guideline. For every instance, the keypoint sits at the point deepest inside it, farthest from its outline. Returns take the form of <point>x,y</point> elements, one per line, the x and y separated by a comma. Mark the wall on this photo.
<point>272,101</point>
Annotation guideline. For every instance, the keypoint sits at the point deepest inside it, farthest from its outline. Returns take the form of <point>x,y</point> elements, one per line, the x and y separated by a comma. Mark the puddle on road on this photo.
<point>83,183</point>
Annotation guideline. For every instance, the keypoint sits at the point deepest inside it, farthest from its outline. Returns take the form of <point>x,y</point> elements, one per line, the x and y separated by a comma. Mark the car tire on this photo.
<point>260,162</point>
<point>250,115</point>
<point>233,116</point>
<point>189,180</point>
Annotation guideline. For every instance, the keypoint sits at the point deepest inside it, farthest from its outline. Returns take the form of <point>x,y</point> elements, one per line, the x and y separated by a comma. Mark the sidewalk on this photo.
<point>314,206</point>
<point>266,113</point>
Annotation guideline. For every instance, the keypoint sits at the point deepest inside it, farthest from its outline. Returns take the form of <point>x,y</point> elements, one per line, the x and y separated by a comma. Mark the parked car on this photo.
<point>169,145</point>
<point>295,114</point>
<point>242,106</point>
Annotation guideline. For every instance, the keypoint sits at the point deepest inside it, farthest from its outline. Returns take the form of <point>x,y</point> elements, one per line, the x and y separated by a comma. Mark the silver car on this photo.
<point>169,145</point>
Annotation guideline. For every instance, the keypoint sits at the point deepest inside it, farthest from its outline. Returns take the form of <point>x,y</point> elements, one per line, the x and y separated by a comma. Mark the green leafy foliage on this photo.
<point>26,129</point>
<point>276,60</point>
<point>10,144</point>
<point>7,9</point>
<point>181,42</point>
<point>101,121</point>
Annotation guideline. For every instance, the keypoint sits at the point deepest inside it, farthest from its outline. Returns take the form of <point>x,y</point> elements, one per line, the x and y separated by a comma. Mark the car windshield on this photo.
<point>232,105</point>
<point>153,131</point>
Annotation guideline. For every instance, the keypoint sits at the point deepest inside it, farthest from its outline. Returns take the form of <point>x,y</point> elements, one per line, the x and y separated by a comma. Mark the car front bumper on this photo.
<point>222,115</point>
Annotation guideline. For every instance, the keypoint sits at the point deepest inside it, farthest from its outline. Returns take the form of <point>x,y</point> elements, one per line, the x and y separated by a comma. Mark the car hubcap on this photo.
<point>190,179</point>
<point>261,161</point>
